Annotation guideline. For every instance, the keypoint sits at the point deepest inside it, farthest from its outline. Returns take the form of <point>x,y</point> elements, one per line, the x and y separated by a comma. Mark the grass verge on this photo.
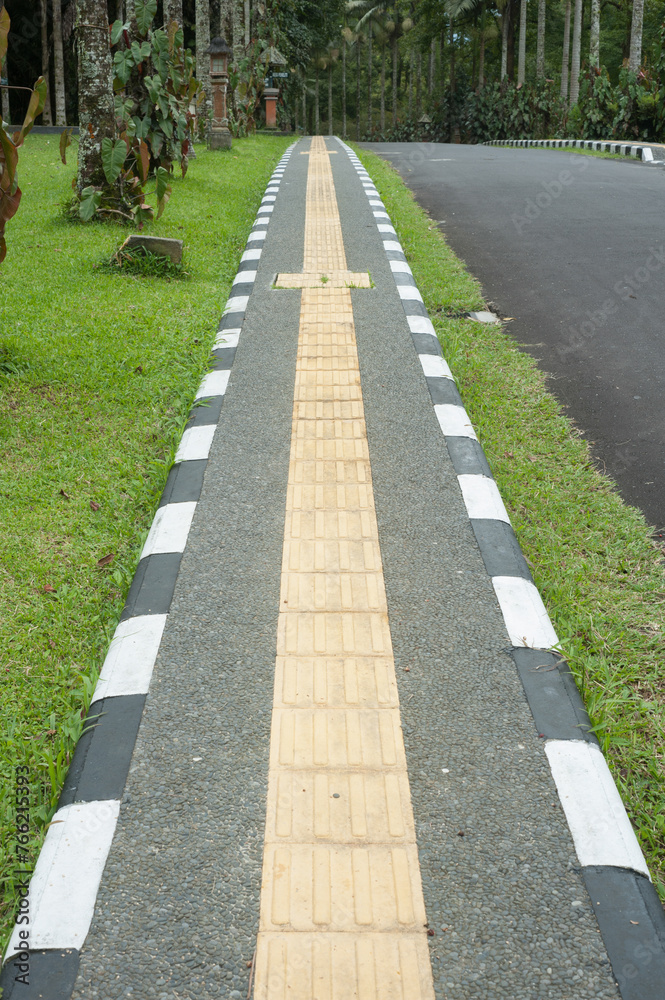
<point>582,152</point>
<point>591,555</point>
<point>98,371</point>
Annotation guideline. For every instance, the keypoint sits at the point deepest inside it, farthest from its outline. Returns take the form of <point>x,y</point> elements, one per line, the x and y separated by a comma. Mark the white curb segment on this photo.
<point>525,615</point>
<point>131,657</point>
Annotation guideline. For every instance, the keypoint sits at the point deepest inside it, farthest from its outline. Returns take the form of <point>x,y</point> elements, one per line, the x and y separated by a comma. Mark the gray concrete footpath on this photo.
<point>177,911</point>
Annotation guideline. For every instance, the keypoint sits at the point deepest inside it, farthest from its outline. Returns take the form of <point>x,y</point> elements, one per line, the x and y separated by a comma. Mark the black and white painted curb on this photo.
<point>638,152</point>
<point>630,916</point>
<point>63,889</point>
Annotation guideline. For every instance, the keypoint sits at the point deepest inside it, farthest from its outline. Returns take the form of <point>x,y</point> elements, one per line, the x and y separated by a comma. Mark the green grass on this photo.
<point>98,371</point>
<point>591,555</point>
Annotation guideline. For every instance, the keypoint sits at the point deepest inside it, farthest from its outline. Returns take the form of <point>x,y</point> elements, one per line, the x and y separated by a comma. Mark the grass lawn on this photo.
<point>582,152</point>
<point>97,374</point>
<point>592,557</point>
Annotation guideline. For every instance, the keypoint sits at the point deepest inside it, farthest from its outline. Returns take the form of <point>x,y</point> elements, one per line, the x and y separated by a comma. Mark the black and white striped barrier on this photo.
<point>638,152</point>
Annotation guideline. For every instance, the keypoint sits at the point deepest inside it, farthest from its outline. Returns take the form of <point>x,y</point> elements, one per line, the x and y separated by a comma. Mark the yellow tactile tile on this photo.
<point>342,912</point>
<point>335,682</point>
<point>324,966</point>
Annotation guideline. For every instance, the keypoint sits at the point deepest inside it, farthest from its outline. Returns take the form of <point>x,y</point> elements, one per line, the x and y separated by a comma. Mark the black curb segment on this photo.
<point>499,548</point>
<point>152,588</point>
<point>467,456</point>
<point>52,976</point>
<point>632,923</point>
<point>414,307</point>
<point>184,483</point>
<point>206,411</point>
<point>443,391</point>
<point>223,358</point>
<point>427,343</point>
<point>230,321</point>
<point>630,915</point>
<point>103,753</point>
<point>555,702</point>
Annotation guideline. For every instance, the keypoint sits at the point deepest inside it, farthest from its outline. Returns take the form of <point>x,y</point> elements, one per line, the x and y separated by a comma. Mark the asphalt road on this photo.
<point>572,247</point>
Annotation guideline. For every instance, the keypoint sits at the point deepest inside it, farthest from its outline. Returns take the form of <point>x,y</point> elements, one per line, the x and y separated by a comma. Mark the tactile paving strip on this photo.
<point>342,911</point>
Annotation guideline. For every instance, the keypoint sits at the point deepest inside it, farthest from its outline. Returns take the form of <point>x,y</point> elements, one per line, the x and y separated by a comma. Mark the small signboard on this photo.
<point>281,76</point>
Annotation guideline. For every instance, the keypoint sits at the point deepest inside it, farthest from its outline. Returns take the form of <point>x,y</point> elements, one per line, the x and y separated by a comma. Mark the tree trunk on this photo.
<point>419,73</point>
<point>237,31</point>
<point>565,59</point>
<point>304,108</point>
<point>395,70</point>
<point>452,57</point>
<point>540,50</point>
<point>358,88</point>
<point>46,114</point>
<point>410,83</point>
<point>575,67</point>
<point>636,37</point>
<point>130,15</point>
<point>369,77</point>
<point>481,55</point>
<point>512,24</point>
<point>59,61</point>
<point>203,60</point>
<point>505,23</point>
<point>383,86</point>
<point>173,11</point>
<point>594,35</point>
<point>248,23</point>
<point>6,111</point>
<point>430,70</point>
<point>95,86</point>
<point>120,10</point>
<point>316,102</point>
<point>330,100</point>
<point>344,89</point>
<point>521,62</point>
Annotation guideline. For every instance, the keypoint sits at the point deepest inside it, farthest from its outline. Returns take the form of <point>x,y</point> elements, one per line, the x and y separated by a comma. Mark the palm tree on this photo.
<point>95,86</point>
<point>540,48</point>
<point>173,11</point>
<point>521,62</point>
<point>575,67</point>
<point>565,60</point>
<point>59,61</point>
<point>248,23</point>
<point>46,114</point>
<point>202,43</point>
<point>6,113</point>
<point>636,36</point>
<point>594,35</point>
<point>456,8</point>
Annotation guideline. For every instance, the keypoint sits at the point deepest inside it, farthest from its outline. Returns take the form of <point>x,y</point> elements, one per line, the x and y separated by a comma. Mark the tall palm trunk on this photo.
<point>344,89</point>
<point>369,77</point>
<point>394,81</point>
<point>540,48</point>
<point>59,60</point>
<point>330,100</point>
<point>358,88</point>
<point>410,83</point>
<point>316,102</point>
<point>594,35</point>
<point>636,36</point>
<point>383,86</point>
<point>173,11</point>
<point>238,30</point>
<point>481,56</point>
<point>452,57</point>
<point>304,108</point>
<point>95,87</point>
<point>248,23</point>
<point>203,60</point>
<point>505,29</point>
<point>120,10</point>
<point>521,60</point>
<point>575,67</point>
<point>430,68</point>
<point>46,62</point>
<point>565,59</point>
<point>419,73</point>
<point>6,113</point>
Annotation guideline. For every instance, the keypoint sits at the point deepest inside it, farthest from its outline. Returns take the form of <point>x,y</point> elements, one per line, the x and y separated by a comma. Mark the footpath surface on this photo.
<point>332,757</point>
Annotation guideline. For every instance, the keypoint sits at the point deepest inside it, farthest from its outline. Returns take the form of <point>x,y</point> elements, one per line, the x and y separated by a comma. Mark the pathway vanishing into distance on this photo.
<point>333,756</point>
<point>571,247</point>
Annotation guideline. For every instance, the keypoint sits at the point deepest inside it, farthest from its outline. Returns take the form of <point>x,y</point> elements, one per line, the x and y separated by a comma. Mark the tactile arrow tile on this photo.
<point>342,911</point>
